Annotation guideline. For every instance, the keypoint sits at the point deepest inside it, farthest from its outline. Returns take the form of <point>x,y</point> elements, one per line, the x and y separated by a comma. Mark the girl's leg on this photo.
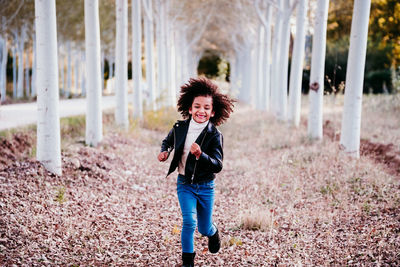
<point>187,202</point>
<point>204,209</point>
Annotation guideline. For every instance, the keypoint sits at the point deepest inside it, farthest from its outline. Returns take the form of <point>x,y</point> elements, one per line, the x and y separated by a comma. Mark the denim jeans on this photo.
<point>196,201</point>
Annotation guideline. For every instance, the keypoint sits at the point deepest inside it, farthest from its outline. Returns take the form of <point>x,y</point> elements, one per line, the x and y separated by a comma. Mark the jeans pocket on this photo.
<point>209,185</point>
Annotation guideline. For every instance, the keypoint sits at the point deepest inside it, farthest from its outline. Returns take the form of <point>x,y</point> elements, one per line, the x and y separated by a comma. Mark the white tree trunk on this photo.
<point>121,64</point>
<point>351,119</point>
<point>275,64</point>
<point>27,76</point>
<point>149,46</point>
<point>83,76</point>
<point>94,126</point>
<point>137,59</point>
<point>62,71</point>
<point>259,70</point>
<point>267,64</point>
<point>102,70</point>
<point>14,52</point>
<point>76,72</point>
<point>281,111</point>
<point>317,71</point>
<point>20,79</point>
<point>296,72</point>
<point>69,70</point>
<point>169,54</point>
<point>3,69</point>
<point>48,126</point>
<point>34,66</point>
<point>161,41</point>
<point>171,65</point>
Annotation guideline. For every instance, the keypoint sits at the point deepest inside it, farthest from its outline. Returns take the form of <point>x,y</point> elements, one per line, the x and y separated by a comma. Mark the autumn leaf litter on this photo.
<point>281,199</point>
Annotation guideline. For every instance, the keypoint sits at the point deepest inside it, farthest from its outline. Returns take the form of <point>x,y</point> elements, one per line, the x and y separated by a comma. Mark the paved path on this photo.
<point>16,115</point>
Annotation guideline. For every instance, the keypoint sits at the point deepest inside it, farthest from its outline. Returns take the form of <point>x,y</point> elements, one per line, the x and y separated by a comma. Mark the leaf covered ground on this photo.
<point>281,199</point>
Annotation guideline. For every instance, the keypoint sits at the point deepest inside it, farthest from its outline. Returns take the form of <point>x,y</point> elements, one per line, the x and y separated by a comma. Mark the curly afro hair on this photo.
<point>222,104</point>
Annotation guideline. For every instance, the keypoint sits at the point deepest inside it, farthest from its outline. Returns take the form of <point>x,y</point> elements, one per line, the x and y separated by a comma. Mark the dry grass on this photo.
<point>281,199</point>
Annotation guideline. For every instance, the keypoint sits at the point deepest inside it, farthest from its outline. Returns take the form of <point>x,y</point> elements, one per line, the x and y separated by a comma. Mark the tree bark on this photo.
<point>149,46</point>
<point>276,46</point>
<point>3,69</point>
<point>351,120</point>
<point>317,71</point>
<point>14,53</point>
<point>121,64</point>
<point>266,90</point>
<point>94,126</point>
<point>296,72</point>
<point>137,59</point>
<point>48,126</point>
<point>20,79</point>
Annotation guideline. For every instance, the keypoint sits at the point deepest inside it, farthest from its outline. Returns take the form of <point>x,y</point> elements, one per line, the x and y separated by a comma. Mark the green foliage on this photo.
<point>208,64</point>
<point>383,50</point>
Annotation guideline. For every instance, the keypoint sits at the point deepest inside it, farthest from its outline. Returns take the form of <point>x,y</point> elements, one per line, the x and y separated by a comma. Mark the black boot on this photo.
<point>214,243</point>
<point>188,259</point>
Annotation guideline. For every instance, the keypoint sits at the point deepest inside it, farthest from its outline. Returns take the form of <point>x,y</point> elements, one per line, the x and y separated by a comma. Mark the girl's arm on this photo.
<point>213,159</point>
<point>166,146</point>
<point>168,142</point>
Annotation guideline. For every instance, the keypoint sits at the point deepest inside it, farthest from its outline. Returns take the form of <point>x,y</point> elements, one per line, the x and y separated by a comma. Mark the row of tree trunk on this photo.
<point>259,71</point>
<point>264,69</point>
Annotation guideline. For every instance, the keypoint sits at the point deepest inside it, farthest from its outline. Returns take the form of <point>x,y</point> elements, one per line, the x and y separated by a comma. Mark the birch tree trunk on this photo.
<point>169,54</point>
<point>260,62</point>
<point>137,59</point>
<point>69,70</point>
<point>266,90</point>
<point>94,126</point>
<point>276,45</point>
<point>317,71</point>
<point>14,52</point>
<point>351,120</point>
<point>171,65</point>
<point>281,109</point>
<point>3,69</point>
<point>102,70</point>
<point>27,76</point>
<point>62,73</point>
<point>48,126</point>
<point>296,72</point>
<point>121,64</point>
<point>149,43</point>
<point>161,42</point>
<point>76,73</point>
<point>83,76</point>
<point>20,79</point>
<point>34,67</point>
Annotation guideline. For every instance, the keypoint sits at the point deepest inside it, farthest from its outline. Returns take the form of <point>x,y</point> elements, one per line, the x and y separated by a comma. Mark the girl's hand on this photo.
<point>195,150</point>
<point>163,156</point>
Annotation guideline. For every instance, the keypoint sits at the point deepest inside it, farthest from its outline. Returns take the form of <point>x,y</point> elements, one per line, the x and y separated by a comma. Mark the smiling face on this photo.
<point>202,109</point>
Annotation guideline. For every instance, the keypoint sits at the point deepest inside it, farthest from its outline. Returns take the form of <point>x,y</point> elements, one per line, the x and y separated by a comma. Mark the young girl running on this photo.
<point>198,156</point>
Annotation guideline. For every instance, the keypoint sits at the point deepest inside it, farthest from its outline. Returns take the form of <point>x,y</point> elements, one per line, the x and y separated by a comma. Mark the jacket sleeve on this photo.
<point>213,159</point>
<point>168,142</point>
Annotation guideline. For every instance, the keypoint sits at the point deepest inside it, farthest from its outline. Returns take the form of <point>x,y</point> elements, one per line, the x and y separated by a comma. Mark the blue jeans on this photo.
<point>195,199</point>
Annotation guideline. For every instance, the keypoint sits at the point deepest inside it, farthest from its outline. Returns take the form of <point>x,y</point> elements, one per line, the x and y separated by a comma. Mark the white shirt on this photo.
<point>194,131</point>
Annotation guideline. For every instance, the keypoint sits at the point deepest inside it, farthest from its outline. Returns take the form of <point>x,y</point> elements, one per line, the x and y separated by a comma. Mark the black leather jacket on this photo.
<point>210,141</point>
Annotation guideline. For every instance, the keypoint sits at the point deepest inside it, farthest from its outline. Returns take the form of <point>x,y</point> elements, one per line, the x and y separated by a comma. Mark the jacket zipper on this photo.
<point>195,164</point>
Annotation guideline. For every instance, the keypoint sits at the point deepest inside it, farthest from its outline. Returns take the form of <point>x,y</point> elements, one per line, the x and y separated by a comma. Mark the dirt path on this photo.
<point>280,200</point>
